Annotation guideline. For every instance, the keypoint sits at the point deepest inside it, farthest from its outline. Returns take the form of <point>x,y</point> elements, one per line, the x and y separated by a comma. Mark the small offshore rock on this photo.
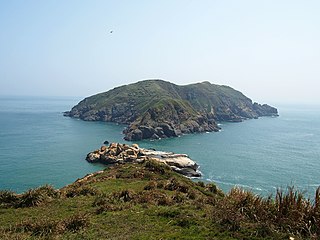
<point>122,153</point>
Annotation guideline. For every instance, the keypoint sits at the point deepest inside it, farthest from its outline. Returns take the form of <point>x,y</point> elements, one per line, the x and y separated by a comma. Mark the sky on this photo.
<point>267,49</point>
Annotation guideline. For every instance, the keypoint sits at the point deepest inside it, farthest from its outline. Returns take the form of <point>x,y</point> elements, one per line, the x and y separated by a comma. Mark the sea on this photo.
<point>39,146</point>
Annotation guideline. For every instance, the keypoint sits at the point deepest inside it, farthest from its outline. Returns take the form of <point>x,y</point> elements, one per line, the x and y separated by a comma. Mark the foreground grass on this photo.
<point>149,201</point>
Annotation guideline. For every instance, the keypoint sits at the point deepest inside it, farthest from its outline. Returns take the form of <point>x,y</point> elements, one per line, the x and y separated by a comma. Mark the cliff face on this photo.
<point>159,109</point>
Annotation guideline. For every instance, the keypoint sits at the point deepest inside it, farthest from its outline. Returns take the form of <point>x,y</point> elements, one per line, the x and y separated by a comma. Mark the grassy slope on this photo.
<point>155,93</point>
<point>149,201</point>
<point>211,94</point>
<point>143,94</point>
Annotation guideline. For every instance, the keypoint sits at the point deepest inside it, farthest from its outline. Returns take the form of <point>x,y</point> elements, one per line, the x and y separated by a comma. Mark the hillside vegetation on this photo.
<point>150,201</point>
<point>158,109</point>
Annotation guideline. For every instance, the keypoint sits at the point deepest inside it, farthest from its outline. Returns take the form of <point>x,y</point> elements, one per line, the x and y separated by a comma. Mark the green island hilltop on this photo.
<point>155,109</point>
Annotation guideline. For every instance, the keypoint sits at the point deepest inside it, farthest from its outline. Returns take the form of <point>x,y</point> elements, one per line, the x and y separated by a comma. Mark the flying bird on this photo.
<point>111,31</point>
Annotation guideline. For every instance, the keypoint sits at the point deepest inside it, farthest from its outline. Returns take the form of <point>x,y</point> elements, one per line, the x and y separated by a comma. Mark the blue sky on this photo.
<point>269,50</point>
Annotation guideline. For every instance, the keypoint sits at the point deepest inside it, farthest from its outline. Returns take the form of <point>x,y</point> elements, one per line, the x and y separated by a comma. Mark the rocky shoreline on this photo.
<point>153,129</point>
<point>117,153</point>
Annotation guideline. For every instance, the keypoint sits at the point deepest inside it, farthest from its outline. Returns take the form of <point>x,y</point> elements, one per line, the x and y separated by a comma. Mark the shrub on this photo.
<point>36,197</point>
<point>174,185</point>
<point>45,227</point>
<point>125,195</point>
<point>288,212</point>
<point>151,185</point>
<point>49,191</point>
<point>156,167</point>
<point>111,207</point>
<point>154,197</point>
<point>178,197</point>
<point>8,198</point>
<point>294,212</point>
<point>201,184</point>
<point>75,191</point>
<point>75,223</point>
<point>31,198</point>
<point>192,195</point>
<point>116,201</point>
<point>210,187</point>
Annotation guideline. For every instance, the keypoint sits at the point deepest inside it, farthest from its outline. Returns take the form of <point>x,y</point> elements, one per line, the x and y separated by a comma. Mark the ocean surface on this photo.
<point>38,145</point>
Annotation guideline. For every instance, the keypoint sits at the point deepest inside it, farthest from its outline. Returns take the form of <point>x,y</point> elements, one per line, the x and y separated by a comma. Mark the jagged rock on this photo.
<point>134,145</point>
<point>134,135</point>
<point>103,148</point>
<point>93,157</point>
<point>159,132</point>
<point>168,130</point>
<point>189,172</point>
<point>154,136</point>
<point>147,132</point>
<point>113,145</point>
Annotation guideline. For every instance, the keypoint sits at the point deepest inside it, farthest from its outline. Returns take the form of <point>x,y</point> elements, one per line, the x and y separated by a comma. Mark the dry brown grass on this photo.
<point>289,212</point>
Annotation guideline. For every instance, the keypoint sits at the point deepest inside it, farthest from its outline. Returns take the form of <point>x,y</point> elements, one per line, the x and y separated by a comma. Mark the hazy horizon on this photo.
<point>268,50</point>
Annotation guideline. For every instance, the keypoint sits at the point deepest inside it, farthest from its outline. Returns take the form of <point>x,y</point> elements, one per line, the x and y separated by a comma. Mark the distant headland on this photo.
<point>155,109</point>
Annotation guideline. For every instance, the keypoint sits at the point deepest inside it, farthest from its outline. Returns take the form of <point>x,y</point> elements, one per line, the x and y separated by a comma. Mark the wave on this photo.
<point>238,185</point>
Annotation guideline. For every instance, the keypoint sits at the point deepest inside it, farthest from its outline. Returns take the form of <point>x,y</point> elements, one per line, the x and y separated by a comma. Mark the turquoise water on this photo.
<point>38,146</point>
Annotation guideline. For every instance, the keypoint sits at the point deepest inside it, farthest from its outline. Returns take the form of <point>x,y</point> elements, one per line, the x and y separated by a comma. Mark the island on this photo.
<point>154,109</point>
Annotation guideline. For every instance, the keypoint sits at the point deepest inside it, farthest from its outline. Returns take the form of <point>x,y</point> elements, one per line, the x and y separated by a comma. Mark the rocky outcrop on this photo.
<point>123,153</point>
<point>154,130</point>
<point>154,109</point>
<point>166,121</point>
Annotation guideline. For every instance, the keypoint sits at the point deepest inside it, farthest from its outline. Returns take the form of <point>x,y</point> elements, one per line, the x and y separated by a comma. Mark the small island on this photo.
<point>154,109</point>
<point>117,153</point>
